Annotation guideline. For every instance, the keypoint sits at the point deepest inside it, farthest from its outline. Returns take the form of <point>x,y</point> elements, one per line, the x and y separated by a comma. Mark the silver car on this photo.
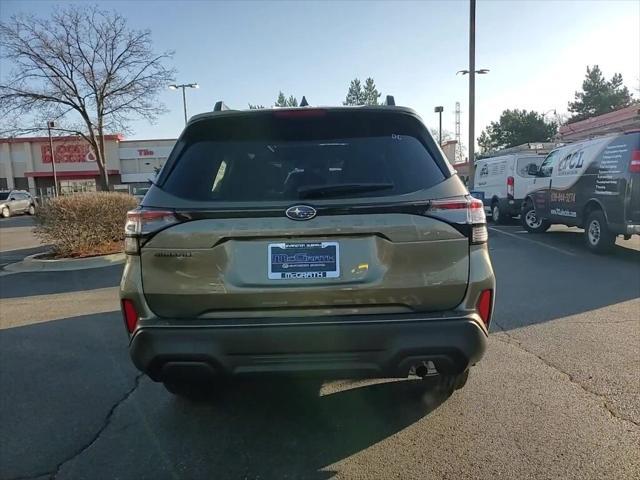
<point>13,202</point>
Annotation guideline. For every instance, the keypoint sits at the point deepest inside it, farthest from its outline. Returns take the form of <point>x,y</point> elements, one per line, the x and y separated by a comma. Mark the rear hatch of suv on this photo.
<point>304,212</point>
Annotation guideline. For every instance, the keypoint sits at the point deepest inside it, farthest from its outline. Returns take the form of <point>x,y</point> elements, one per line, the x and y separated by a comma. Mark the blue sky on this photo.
<point>247,51</point>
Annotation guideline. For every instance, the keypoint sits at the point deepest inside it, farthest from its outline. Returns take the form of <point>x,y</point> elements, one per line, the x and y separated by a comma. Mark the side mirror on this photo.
<point>11,199</point>
<point>532,169</point>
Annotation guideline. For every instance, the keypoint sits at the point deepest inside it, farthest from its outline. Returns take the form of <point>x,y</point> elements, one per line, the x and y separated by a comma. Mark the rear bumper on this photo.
<point>510,206</point>
<point>624,228</point>
<point>376,346</point>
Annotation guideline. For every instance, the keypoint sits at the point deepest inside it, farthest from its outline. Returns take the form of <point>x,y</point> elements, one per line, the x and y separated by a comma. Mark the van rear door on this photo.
<point>632,198</point>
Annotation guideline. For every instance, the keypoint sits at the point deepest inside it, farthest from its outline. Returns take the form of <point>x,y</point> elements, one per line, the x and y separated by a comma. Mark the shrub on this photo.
<point>84,224</point>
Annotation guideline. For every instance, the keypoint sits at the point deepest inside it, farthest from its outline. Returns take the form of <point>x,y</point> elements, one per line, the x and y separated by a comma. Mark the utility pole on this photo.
<point>472,91</point>
<point>51,125</point>
<point>458,146</point>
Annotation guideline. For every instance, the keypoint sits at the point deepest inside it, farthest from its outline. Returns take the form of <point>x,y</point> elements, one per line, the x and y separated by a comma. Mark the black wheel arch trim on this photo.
<point>600,206</point>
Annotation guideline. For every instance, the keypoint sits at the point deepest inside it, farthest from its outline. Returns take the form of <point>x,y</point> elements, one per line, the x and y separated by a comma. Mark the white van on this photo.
<point>503,180</point>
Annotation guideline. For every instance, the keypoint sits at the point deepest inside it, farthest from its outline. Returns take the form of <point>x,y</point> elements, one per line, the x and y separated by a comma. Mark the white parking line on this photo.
<point>542,244</point>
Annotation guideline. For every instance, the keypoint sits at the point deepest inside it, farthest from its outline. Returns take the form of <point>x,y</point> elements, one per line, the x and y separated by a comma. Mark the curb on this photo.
<point>34,264</point>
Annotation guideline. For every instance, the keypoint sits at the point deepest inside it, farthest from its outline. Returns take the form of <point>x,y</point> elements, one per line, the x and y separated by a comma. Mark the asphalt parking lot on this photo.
<point>556,396</point>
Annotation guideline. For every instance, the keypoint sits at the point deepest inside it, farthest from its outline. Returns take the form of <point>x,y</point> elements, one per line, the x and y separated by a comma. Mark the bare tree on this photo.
<point>83,67</point>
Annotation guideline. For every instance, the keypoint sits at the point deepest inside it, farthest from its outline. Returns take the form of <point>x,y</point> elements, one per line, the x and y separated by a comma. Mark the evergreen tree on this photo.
<point>370,93</point>
<point>599,95</point>
<point>355,95</point>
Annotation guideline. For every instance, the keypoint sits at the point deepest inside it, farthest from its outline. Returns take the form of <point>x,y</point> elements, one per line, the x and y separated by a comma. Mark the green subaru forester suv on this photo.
<point>335,242</point>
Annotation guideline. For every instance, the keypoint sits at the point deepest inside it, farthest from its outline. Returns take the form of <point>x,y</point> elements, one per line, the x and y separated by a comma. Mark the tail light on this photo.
<point>141,223</point>
<point>510,184</point>
<point>462,211</point>
<point>634,164</point>
<point>484,306</point>
<point>130,315</point>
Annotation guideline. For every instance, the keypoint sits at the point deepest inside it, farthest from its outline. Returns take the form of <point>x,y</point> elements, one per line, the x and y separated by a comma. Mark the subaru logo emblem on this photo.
<point>301,212</point>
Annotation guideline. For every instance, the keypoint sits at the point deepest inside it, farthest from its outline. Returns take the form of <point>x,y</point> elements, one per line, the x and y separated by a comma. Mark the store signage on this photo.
<point>159,151</point>
<point>68,153</point>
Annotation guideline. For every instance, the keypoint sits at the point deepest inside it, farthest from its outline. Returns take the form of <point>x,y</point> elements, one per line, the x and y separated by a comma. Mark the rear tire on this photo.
<point>530,221</point>
<point>497,215</point>
<point>597,235</point>
<point>6,213</point>
<point>192,391</point>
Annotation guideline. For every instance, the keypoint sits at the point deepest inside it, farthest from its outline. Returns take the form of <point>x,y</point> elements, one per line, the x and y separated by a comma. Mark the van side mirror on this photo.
<point>532,169</point>
<point>11,199</point>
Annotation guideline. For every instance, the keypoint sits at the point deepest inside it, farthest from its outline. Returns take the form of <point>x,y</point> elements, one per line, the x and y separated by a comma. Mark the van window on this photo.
<point>522,165</point>
<point>546,169</point>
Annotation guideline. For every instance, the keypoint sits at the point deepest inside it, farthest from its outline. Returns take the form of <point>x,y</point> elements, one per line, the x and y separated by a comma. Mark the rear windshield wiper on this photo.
<point>337,189</point>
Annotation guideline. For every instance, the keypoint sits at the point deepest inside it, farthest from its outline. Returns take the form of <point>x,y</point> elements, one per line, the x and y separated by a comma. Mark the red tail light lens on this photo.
<point>462,210</point>
<point>130,315</point>
<point>634,164</point>
<point>484,306</point>
<point>510,185</point>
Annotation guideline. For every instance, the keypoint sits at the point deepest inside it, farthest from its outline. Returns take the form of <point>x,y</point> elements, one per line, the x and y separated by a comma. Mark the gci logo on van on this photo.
<point>301,212</point>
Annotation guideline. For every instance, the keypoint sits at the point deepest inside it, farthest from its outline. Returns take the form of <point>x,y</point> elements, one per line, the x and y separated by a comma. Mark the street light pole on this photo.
<point>51,125</point>
<point>183,86</point>
<point>472,91</point>
<point>184,104</point>
<point>439,110</point>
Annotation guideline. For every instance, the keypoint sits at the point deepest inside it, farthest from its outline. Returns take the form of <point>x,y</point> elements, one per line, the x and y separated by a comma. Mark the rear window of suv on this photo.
<point>286,155</point>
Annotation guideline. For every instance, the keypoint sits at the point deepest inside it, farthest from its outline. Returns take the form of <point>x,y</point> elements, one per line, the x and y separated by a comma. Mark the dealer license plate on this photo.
<point>304,260</point>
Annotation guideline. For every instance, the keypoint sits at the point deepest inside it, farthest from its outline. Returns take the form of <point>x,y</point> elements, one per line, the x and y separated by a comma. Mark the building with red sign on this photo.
<point>26,163</point>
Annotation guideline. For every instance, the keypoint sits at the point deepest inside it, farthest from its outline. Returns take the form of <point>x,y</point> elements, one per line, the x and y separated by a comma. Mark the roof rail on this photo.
<point>303,102</point>
<point>390,101</point>
<point>220,106</point>
<point>538,148</point>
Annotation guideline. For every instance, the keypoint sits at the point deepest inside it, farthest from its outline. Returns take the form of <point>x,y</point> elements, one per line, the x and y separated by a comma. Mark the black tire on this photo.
<point>498,216</point>
<point>6,213</point>
<point>190,390</point>
<point>32,210</point>
<point>597,235</point>
<point>530,222</point>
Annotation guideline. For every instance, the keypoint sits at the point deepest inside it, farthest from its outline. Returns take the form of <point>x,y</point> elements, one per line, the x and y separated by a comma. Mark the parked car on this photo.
<point>140,192</point>
<point>503,179</point>
<point>329,241</point>
<point>594,184</point>
<point>13,202</point>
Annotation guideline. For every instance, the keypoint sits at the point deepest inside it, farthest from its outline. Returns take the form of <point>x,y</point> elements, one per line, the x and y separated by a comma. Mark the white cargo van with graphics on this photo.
<point>504,180</point>
<point>594,184</point>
